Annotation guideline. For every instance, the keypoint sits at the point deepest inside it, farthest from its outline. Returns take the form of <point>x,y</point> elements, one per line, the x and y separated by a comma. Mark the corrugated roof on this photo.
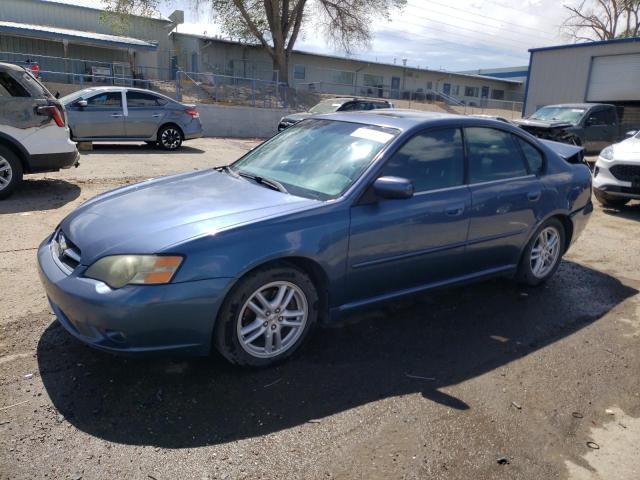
<point>45,31</point>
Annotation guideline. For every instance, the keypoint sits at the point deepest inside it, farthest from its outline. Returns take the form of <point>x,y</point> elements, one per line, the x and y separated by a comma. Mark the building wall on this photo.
<point>562,75</point>
<point>89,20</point>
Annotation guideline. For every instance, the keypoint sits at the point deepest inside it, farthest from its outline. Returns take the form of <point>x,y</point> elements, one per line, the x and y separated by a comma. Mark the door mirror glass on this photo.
<point>82,103</point>
<point>393,188</point>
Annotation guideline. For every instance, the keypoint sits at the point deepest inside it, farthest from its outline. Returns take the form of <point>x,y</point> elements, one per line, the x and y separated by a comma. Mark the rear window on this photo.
<point>10,87</point>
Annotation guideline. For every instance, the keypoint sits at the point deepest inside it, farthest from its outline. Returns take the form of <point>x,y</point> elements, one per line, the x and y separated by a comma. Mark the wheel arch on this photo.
<point>169,124</point>
<point>19,150</point>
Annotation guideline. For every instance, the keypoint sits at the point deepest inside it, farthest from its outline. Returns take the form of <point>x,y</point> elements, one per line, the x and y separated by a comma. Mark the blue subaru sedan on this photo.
<point>337,212</point>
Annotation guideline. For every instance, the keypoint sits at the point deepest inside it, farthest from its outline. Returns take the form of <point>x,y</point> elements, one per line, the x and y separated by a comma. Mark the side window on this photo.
<point>493,155</point>
<point>10,87</point>
<point>139,99</point>
<point>431,160</point>
<point>532,155</point>
<point>106,99</point>
<point>599,118</point>
<point>349,107</point>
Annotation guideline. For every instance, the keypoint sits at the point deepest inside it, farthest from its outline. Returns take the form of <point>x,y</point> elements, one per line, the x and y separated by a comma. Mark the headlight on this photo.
<point>607,154</point>
<point>120,270</point>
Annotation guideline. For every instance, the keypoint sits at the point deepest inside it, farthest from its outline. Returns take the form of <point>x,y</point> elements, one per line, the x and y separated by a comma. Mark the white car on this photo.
<point>616,176</point>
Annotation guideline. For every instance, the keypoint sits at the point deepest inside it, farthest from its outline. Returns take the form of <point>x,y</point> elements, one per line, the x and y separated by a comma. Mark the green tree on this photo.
<point>277,24</point>
<point>603,19</point>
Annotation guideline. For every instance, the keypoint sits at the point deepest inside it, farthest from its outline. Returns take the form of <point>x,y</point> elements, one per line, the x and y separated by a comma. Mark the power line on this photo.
<point>537,30</point>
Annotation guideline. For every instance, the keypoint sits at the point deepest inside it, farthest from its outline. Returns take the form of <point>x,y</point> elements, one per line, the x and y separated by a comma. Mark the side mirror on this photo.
<point>393,188</point>
<point>630,133</point>
<point>82,103</point>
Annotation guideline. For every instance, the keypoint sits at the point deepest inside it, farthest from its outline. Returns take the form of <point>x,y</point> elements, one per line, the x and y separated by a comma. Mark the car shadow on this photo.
<point>631,211</point>
<point>40,194</point>
<point>134,148</point>
<point>420,345</point>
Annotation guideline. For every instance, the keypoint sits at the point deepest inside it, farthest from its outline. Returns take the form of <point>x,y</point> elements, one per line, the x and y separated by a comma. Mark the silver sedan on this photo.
<point>130,114</point>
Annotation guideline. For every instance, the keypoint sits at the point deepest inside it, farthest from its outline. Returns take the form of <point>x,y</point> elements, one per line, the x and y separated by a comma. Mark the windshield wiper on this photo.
<point>267,182</point>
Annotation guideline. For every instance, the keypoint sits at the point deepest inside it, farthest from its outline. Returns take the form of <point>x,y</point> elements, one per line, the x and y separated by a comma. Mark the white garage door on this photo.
<point>614,78</point>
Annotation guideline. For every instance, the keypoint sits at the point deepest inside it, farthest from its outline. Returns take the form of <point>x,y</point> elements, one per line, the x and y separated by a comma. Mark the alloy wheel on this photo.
<point>6,173</point>
<point>545,252</point>
<point>170,138</point>
<point>272,319</point>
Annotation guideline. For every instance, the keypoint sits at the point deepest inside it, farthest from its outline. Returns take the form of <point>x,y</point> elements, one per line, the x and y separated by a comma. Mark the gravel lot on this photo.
<point>485,381</point>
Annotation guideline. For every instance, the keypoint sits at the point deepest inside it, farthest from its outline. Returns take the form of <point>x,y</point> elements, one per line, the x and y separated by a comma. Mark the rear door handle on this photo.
<point>455,210</point>
<point>534,196</point>
<point>156,115</point>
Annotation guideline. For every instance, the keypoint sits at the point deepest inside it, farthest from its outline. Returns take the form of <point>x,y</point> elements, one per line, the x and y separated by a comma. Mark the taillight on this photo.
<point>53,112</point>
<point>192,112</point>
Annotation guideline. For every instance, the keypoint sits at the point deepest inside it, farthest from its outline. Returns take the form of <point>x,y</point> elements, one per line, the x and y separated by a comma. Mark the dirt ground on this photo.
<point>484,381</point>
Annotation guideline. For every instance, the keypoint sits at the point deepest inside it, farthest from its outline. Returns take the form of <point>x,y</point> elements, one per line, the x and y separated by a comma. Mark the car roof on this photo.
<point>354,99</point>
<point>11,66</point>
<point>579,105</point>
<point>401,119</point>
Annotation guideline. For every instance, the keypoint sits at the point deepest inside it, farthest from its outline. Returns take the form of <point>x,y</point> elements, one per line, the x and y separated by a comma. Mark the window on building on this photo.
<point>455,90</point>
<point>430,160</point>
<point>497,94</point>
<point>139,99</point>
<point>493,155</point>
<point>532,155</point>
<point>429,85</point>
<point>299,72</point>
<point>106,99</point>
<point>471,91</point>
<point>342,77</point>
<point>372,80</point>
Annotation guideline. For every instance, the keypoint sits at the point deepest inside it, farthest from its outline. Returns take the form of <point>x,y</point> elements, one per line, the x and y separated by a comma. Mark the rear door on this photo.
<point>400,244</point>
<point>102,118</point>
<point>145,114</point>
<point>506,197</point>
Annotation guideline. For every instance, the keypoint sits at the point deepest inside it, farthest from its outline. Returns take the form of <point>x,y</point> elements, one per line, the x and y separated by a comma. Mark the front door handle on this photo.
<point>455,210</point>
<point>534,196</point>
<point>156,115</point>
<point>116,115</point>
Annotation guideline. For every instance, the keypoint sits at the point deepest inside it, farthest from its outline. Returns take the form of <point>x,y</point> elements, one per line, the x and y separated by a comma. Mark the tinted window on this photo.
<point>532,155</point>
<point>493,155</point>
<point>139,99</point>
<point>430,160</point>
<point>348,107</point>
<point>602,117</point>
<point>107,99</point>
<point>9,87</point>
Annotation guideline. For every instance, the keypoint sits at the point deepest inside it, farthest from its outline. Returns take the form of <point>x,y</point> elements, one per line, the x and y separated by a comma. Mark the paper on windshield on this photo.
<point>371,134</point>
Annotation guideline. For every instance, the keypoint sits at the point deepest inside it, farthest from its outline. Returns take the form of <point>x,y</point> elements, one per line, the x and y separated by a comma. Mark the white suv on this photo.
<point>34,136</point>
<point>616,176</point>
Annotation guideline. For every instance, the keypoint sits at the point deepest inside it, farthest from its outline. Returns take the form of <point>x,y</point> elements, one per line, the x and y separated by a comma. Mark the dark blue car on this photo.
<point>334,213</point>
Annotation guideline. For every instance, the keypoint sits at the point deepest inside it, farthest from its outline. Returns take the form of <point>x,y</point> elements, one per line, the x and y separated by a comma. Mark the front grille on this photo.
<point>65,252</point>
<point>626,173</point>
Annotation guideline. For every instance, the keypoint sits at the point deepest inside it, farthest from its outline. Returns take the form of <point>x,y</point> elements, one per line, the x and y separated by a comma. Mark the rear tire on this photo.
<point>170,137</point>
<point>542,255</point>
<point>609,201</point>
<point>10,172</point>
<point>257,328</point>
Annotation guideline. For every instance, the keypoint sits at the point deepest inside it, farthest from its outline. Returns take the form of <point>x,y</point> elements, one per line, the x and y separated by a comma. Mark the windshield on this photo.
<point>316,158</point>
<point>326,106</point>
<point>559,114</point>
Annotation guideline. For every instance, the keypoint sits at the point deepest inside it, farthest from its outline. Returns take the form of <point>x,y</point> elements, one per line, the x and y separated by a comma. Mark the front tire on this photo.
<point>542,255</point>
<point>170,137</point>
<point>10,172</point>
<point>267,316</point>
<point>609,201</point>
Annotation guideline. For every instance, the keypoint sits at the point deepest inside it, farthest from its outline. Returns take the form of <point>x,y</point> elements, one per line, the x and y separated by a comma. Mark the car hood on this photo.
<point>628,150</point>
<point>152,216</point>
<point>525,122</point>
<point>297,117</point>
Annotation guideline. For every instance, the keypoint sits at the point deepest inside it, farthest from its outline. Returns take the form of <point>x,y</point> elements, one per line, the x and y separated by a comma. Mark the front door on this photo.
<point>102,118</point>
<point>446,89</point>
<point>600,129</point>
<point>145,113</point>
<point>506,198</point>
<point>397,245</point>
<point>395,87</point>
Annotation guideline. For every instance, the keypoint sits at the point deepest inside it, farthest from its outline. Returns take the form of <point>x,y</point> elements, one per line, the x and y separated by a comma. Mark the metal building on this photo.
<point>602,72</point>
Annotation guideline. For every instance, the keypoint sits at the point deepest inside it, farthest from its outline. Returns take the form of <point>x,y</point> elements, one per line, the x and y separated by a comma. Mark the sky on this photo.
<point>438,34</point>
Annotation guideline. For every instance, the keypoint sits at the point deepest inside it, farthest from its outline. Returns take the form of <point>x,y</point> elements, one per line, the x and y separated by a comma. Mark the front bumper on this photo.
<point>604,181</point>
<point>172,318</point>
